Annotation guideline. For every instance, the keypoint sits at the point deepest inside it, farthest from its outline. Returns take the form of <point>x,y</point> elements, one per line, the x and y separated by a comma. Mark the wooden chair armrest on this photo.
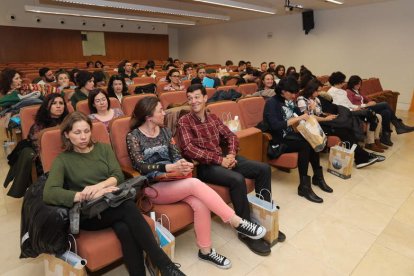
<point>129,172</point>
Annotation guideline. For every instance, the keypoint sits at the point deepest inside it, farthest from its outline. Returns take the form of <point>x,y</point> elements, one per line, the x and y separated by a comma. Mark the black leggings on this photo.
<point>134,234</point>
<point>306,155</point>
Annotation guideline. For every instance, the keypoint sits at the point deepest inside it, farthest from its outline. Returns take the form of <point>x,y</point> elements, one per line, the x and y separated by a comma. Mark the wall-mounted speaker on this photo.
<point>308,21</point>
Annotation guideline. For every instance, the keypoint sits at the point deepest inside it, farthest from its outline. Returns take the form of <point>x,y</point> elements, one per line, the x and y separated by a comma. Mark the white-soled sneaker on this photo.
<point>370,161</point>
<point>251,229</point>
<point>215,258</point>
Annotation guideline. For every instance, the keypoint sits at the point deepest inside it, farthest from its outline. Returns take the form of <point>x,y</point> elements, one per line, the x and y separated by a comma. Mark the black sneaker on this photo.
<point>251,229</point>
<point>172,269</point>
<point>370,161</point>
<point>215,258</point>
<point>380,157</point>
<point>260,247</point>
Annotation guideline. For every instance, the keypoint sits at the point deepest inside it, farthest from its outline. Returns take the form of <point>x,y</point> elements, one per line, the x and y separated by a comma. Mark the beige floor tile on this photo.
<point>381,261</point>
<point>406,212</point>
<point>336,243</point>
<point>388,188</point>
<point>398,236</point>
<point>288,260</point>
<point>366,214</point>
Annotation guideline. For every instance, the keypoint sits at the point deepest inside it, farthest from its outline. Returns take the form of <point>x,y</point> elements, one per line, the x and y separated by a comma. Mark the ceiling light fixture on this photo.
<point>78,13</point>
<point>335,2</point>
<point>239,5</point>
<point>143,8</point>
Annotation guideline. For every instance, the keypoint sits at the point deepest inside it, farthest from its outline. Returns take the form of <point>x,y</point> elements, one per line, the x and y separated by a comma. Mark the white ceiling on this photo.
<point>192,6</point>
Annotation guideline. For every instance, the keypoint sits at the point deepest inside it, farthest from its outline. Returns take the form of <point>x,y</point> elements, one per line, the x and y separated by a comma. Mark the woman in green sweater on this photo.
<point>87,170</point>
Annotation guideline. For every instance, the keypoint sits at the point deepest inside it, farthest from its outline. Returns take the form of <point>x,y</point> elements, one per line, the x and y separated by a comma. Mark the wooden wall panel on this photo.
<point>45,45</point>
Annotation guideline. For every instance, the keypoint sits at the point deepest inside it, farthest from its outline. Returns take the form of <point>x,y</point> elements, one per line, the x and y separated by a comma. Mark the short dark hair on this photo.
<point>312,86</point>
<point>264,62</point>
<point>271,63</point>
<point>83,77</point>
<point>229,63</point>
<point>353,80</point>
<point>143,109</point>
<point>89,63</point>
<point>195,87</point>
<point>43,71</point>
<point>287,84</point>
<point>149,66</point>
<point>67,125</point>
<point>188,65</point>
<point>91,99</point>
<point>110,89</point>
<point>241,63</point>
<point>98,76</point>
<point>336,78</point>
<point>172,71</point>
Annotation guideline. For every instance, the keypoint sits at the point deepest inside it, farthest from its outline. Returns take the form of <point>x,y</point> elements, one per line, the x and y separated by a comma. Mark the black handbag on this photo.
<point>275,150</point>
<point>93,208</point>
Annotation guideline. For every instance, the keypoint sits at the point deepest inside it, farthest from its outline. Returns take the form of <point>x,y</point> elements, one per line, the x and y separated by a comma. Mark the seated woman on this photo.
<point>339,97</point>
<point>100,107</point>
<point>101,177</point>
<point>99,64</point>
<point>279,72</point>
<point>267,86</point>
<point>51,113</point>
<point>279,115</point>
<point>174,82</point>
<point>153,152</point>
<point>117,87</point>
<point>85,82</point>
<point>309,102</point>
<point>63,80</point>
<point>10,86</point>
<point>201,74</point>
<point>384,109</point>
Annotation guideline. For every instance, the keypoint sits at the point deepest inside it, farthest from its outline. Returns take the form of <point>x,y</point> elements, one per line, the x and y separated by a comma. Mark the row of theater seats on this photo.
<point>101,248</point>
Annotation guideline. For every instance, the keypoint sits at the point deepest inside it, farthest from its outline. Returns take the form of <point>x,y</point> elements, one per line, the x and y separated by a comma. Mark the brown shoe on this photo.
<point>373,147</point>
<point>378,143</point>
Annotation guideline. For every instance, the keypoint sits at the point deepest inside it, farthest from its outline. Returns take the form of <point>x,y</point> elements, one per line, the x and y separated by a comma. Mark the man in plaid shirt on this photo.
<point>200,136</point>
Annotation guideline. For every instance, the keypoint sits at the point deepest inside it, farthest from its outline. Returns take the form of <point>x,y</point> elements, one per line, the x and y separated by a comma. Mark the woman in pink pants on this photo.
<point>153,153</point>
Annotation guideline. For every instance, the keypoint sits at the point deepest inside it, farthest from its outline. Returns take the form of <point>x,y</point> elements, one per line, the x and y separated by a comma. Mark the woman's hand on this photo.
<point>312,105</point>
<point>181,166</point>
<point>106,190</point>
<point>330,117</point>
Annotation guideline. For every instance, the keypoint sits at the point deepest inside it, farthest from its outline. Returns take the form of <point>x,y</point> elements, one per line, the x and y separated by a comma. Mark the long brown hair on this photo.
<point>143,109</point>
<point>67,126</point>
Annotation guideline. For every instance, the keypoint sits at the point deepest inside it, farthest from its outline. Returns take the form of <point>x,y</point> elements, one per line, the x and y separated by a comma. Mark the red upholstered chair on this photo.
<point>143,80</point>
<point>180,214</point>
<point>248,88</point>
<point>82,106</point>
<point>210,92</point>
<point>173,97</point>
<point>129,102</point>
<point>101,248</point>
<point>27,117</point>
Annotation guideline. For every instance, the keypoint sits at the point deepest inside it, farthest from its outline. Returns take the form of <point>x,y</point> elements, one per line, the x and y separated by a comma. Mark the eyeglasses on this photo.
<point>175,76</point>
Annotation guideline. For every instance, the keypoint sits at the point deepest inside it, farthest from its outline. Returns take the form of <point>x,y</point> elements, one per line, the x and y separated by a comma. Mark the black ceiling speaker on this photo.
<point>307,21</point>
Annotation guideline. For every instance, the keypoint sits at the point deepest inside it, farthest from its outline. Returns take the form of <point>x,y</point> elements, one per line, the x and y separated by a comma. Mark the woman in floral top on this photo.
<point>153,152</point>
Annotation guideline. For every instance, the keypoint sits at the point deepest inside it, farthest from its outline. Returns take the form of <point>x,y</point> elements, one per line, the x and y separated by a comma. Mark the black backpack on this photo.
<point>144,89</point>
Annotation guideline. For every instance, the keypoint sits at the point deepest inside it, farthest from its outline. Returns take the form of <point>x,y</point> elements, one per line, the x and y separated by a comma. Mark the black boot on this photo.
<point>410,128</point>
<point>400,128</point>
<point>386,138</point>
<point>318,180</point>
<point>306,191</point>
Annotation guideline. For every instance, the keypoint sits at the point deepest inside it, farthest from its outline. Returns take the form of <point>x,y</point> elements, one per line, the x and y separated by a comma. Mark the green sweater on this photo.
<point>76,170</point>
<point>77,97</point>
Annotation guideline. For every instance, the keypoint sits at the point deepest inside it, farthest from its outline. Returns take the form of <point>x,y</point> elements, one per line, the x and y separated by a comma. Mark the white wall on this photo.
<point>370,40</point>
<point>173,42</point>
<point>26,19</point>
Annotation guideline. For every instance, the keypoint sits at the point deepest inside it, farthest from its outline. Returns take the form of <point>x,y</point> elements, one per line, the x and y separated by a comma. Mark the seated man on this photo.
<point>127,72</point>
<point>201,135</point>
<point>149,72</point>
<point>45,76</point>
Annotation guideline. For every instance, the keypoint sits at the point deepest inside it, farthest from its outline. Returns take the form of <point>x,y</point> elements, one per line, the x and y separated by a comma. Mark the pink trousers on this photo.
<point>200,197</point>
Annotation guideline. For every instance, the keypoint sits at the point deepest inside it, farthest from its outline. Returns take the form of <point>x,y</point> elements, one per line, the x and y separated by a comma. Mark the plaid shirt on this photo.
<point>201,141</point>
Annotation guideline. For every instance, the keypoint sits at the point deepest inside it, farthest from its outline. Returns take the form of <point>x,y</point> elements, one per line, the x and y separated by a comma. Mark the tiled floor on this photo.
<point>364,228</point>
